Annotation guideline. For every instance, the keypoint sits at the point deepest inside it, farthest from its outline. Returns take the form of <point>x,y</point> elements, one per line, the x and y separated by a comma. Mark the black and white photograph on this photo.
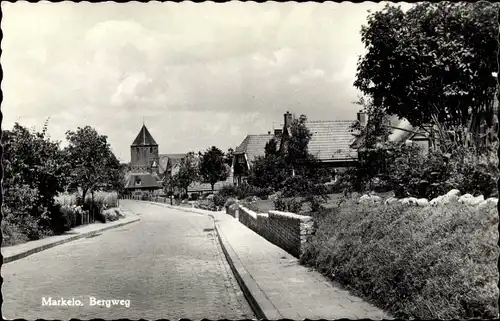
<point>250,160</point>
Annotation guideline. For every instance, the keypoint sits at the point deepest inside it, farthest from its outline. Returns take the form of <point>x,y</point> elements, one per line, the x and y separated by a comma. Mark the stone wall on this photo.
<point>286,230</point>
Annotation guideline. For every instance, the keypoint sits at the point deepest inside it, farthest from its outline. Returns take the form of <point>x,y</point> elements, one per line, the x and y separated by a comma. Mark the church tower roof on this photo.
<point>144,138</point>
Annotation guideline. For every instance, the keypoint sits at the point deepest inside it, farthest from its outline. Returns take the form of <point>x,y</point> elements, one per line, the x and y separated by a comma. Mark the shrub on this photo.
<point>112,215</point>
<point>296,186</point>
<point>195,196</point>
<point>419,262</point>
<point>228,190</point>
<point>12,234</point>
<point>252,206</point>
<point>219,200</point>
<point>230,201</point>
<point>294,206</point>
<point>279,204</point>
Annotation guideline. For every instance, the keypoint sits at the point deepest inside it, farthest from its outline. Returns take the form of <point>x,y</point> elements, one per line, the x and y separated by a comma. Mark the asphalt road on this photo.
<point>168,265</point>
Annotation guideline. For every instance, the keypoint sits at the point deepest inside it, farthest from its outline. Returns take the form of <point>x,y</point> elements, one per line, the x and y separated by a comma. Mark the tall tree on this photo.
<point>32,159</point>
<point>187,173</point>
<point>433,61</point>
<point>34,173</point>
<point>268,171</point>
<point>296,151</point>
<point>93,164</point>
<point>377,128</point>
<point>271,147</point>
<point>228,157</point>
<point>213,167</point>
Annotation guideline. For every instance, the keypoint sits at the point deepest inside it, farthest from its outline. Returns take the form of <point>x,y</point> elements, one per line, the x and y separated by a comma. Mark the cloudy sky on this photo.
<point>199,74</point>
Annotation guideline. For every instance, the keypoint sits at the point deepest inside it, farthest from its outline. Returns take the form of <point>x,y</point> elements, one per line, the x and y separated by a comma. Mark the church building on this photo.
<point>148,168</point>
<point>144,176</point>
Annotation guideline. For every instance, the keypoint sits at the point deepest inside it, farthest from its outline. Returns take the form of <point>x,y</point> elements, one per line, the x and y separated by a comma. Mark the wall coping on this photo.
<point>249,211</point>
<point>289,215</point>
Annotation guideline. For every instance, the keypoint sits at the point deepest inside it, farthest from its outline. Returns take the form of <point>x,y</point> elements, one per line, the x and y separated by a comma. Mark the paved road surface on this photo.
<point>169,265</point>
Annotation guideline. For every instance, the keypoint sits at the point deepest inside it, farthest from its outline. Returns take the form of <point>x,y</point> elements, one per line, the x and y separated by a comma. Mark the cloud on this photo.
<point>200,73</point>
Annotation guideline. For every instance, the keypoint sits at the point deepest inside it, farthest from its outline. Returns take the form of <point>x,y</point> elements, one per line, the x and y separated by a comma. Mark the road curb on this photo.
<point>257,299</point>
<point>47,246</point>
<point>261,306</point>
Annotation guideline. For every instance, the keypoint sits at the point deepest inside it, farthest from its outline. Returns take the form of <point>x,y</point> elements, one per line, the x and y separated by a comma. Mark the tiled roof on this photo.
<point>144,138</point>
<point>146,181</point>
<point>253,146</point>
<point>330,140</point>
<point>169,160</point>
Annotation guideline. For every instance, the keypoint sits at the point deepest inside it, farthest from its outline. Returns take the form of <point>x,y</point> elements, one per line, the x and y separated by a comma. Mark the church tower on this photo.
<point>144,153</point>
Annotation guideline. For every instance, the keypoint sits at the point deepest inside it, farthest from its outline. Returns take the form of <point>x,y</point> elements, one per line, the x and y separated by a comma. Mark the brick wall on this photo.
<point>231,210</point>
<point>248,218</point>
<point>286,230</point>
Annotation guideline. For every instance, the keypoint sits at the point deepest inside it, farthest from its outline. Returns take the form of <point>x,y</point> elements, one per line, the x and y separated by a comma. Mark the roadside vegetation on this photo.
<point>414,261</point>
<point>49,190</point>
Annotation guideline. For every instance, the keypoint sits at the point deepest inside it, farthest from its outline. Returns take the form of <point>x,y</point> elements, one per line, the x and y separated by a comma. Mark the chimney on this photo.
<point>288,119</point>
<point>362,118</point>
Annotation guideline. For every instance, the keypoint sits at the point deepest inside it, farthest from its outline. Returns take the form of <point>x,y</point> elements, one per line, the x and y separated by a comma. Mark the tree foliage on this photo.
<point>377,129</point>
<point>212,167</point>
<point>268,171</point>
<point>228,157</point>
<point>93,164</point>
<point>187,173</point>
<point>296,151</point>
<point>34,172</point>
<point>436,59</point>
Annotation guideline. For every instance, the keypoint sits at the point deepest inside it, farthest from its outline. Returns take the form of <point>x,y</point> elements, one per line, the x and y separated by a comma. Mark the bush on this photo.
<point>280,204</point>
<point>245,190</point>
<point>219,200</point>
<point>112,215</point>
<point>228,191</point>
<point>294,206</point>
<point>195,196</point>
<point>419,262</point>
<point>12,234</point>
<point>230,201</point>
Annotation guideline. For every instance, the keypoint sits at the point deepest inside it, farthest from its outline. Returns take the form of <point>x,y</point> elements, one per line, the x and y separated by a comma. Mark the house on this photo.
<point>403,132</point>
<point>251,147</point>
<point>330,142</point>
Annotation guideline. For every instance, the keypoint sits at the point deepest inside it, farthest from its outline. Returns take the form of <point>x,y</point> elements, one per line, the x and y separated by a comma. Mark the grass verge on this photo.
<point>413,262</point>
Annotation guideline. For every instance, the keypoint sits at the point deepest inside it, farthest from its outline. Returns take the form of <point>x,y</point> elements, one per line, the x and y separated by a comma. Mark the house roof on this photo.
<point>144,138</point>
<point>145,180</point>
<point>253,146</point>
<point>169,160</point>
<point>401,130</point>
<point>331,140</point>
